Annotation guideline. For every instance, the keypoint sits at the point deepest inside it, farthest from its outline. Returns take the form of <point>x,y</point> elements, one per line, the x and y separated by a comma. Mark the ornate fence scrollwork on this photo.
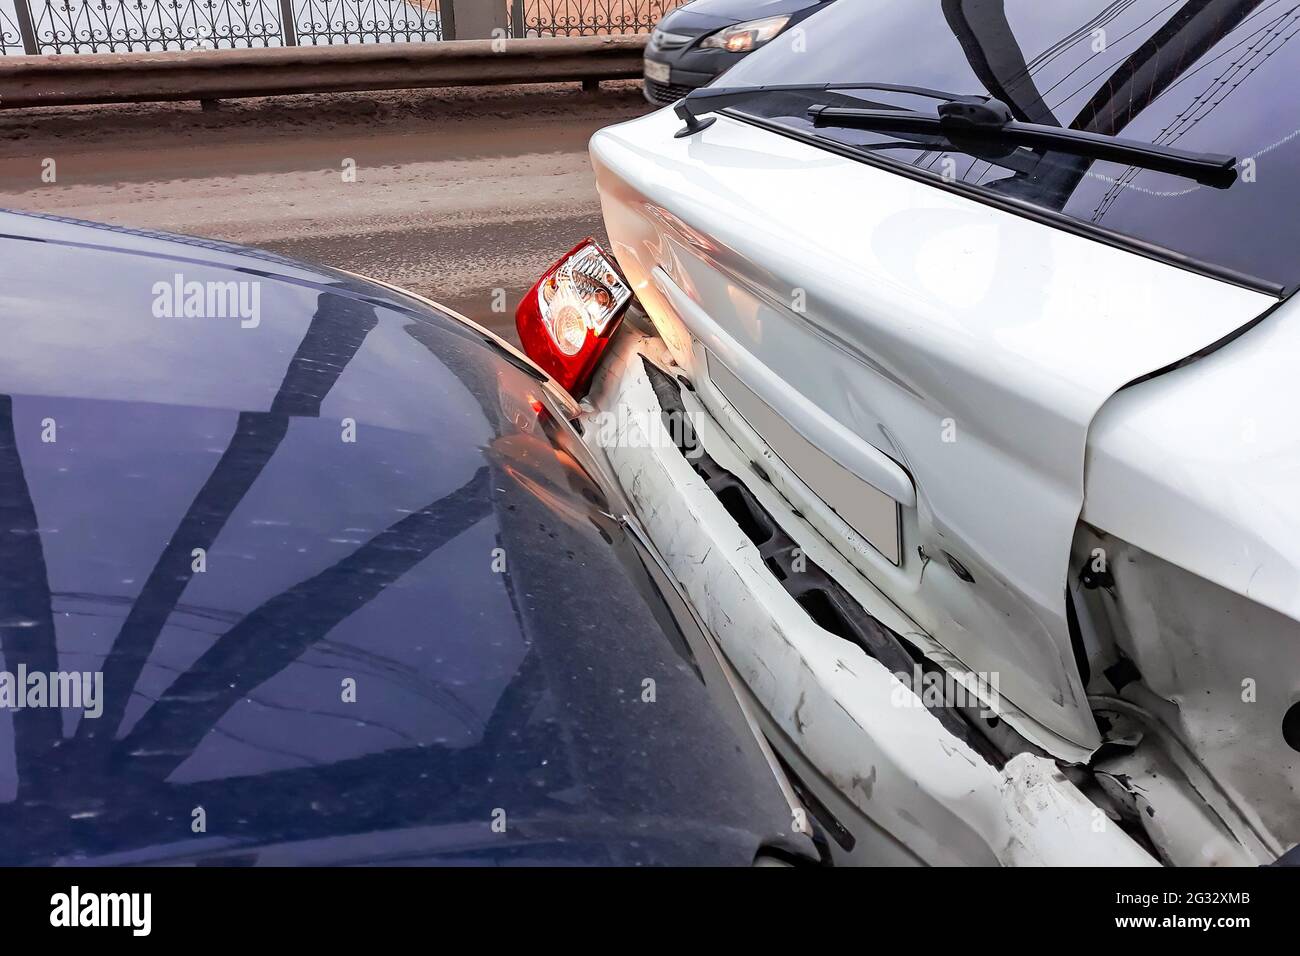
<point>592,17</point>
<point>366,21</point>
<point>121,26</point>
<point>11,29</point>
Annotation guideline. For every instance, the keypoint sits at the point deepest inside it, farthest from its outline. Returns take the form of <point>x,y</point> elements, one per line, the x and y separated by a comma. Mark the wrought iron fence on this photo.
<point>119,26</point>
<point>587,17</point>
<point>365,21</point>
<point>10,41</point>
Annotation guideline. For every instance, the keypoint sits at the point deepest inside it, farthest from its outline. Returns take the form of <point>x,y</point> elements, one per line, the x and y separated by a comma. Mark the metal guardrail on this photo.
<point>28,81</point>
<point>35,27</point>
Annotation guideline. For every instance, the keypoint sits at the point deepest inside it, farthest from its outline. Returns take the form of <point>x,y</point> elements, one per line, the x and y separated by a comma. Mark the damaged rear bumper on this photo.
<point>878,767</point>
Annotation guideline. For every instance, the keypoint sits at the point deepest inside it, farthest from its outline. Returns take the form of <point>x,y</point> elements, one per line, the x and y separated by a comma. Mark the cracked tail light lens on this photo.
<point>567,318</point>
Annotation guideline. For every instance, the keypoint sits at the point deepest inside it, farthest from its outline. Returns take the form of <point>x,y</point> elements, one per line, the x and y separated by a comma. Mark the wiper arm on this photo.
<point>967,117</point>
<point>970,117</point>
<point>709,99</point>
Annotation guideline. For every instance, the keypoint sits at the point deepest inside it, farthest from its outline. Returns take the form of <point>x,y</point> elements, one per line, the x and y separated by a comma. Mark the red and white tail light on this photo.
<point>566,320</point>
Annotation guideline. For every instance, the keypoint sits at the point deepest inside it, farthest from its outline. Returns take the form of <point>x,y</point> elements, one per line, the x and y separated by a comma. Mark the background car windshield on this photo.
<point>1207,75</point>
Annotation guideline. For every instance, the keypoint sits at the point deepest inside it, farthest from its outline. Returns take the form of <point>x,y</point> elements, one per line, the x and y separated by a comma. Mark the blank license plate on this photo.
<point>654,70</point>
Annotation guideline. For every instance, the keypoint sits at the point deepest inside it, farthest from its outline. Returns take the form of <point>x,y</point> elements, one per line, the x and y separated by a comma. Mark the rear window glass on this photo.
<point>1216,76</point>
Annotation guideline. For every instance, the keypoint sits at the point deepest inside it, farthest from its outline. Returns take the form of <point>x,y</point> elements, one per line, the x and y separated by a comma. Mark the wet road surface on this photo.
<point>452,194</point>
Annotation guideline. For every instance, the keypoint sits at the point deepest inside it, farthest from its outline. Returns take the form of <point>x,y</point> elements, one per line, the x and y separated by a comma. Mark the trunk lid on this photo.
<point>903,330</point>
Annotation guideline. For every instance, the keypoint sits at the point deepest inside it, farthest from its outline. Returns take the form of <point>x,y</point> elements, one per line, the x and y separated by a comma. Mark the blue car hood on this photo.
<point>353,593</point>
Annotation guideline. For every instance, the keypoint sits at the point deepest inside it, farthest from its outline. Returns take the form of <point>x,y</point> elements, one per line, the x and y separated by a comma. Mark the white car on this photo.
<point>958,382</point>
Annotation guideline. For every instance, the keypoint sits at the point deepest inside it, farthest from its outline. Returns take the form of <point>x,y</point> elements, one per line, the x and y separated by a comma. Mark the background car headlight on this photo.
<point>743,37</point>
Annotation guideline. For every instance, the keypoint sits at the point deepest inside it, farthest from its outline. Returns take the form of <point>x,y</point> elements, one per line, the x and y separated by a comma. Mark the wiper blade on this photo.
<point>709,99</point>
<point>990,120</point>
<point>967,117</point>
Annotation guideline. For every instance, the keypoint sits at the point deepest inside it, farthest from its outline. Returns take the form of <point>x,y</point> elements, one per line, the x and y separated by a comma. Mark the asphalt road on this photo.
<point>454,194</point>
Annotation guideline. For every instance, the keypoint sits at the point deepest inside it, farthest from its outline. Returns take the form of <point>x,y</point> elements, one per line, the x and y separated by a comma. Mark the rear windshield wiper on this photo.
<point>967,117</point>
<point>710,99</point>
<point>990,121</point>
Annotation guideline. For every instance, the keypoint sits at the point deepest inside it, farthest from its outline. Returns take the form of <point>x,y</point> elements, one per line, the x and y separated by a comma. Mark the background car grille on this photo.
<point>665,92</point>
<point>668,41</point>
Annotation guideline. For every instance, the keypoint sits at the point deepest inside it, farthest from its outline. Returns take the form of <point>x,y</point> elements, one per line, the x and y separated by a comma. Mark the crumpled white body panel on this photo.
<point>971,345</point>
<point>897,764</point>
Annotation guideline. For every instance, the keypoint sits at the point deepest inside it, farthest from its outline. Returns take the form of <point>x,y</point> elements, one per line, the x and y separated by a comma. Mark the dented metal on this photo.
<point>897,765</point>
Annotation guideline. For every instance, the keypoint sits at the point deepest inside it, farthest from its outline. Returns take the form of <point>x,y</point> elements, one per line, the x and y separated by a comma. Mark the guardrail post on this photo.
<point>26,29</point>
<point>288,29</point>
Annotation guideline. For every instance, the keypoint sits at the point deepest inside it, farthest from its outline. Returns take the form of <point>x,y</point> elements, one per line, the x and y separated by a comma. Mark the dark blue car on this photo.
<point>351,587</point>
